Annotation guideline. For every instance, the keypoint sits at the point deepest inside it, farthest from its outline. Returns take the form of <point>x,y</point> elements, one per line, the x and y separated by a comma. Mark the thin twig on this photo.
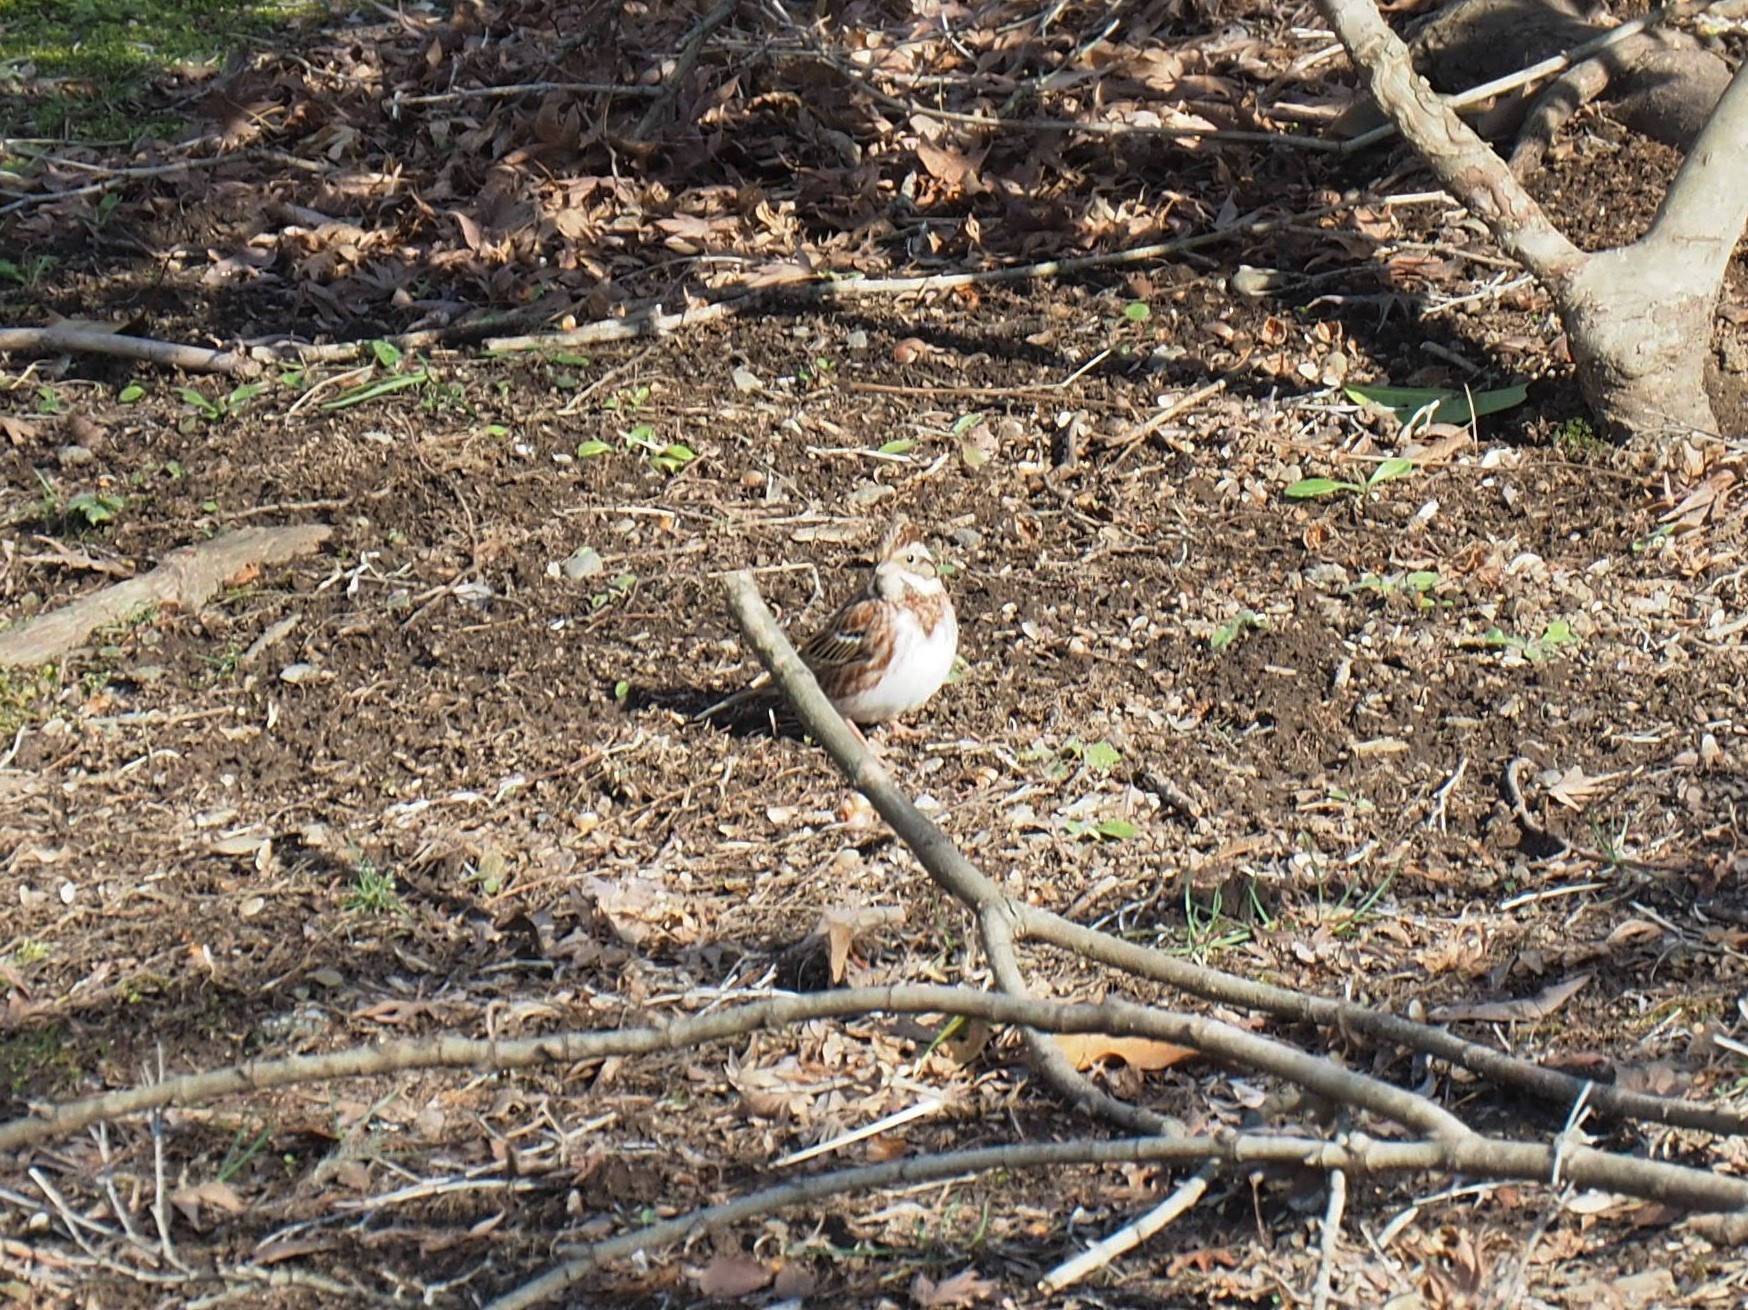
<point>1331,1244</point>
<point>122,1212</point>
<point>1073,125</point>
<point>1127,442</point>
<point>520,89</point>
<point>650,320</point>
<point>161,1196</point>
<point>76,1223</point>
<point>112,175</point>
<point>684,63</point>
<point>1437,815</point>
<point>1131,1235</point>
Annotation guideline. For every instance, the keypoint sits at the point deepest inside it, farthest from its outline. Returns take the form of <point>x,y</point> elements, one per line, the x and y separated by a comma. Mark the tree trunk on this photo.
<point>1638,318</point>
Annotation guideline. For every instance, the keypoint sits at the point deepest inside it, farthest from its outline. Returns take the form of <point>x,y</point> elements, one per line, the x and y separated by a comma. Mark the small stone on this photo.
<point>584,562</point>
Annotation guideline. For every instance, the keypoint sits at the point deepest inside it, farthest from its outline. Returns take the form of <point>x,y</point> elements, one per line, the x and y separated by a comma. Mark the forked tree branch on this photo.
<point>1459,158</point>
<point>1448,1144</point>
<point>1637,316</point>
<point>958,876</point>
<point>1222,1041</point>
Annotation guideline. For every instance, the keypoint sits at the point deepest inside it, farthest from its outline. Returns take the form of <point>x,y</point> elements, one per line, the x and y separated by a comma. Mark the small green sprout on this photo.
<point>1555,637</point>
<point>97,507</point>
<point>1314,488</point>
<point>373,891</point>
<point>1440,404</point>
<point>1101,830</point>
<point>1234,628</point>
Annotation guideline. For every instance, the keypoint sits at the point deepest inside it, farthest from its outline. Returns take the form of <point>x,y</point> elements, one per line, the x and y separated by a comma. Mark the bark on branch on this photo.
<point>61,339</point>
<point>1221,1041</point>
<point>1638,317</point>
<point>186,580</point>
<point>959,877</point>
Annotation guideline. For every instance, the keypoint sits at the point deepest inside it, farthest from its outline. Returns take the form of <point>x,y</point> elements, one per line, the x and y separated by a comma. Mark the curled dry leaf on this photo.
<point>1539,1006</point>
<point>843,925</point>
<point>731,1276</point>
<point>212,1193</point>
<point>963,1288</point>
<point>1575,788</point>
<point>956,172</point>
<point>1088,1049</point>
<point>18,430</point>
<point>1706,501</point>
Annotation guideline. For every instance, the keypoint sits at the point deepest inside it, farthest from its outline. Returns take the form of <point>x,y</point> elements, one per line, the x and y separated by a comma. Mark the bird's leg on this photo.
<point>897,731</point>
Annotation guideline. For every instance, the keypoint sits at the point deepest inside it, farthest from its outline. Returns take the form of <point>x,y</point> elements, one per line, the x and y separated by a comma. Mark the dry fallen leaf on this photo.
<point>1575,788</point>
<point>220,1196</point>
<point>1202,1261</point>
<point>956,171</point>
<point>1707,500</point>
<point>843,925</point>
<point>1539,1006</point>
<point>731,1276</point>
<point>963,1288</point>
<point>1088,1049</point>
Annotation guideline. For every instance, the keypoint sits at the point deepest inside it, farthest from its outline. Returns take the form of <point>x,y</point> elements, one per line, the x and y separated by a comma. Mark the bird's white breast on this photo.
<point>920,664</point>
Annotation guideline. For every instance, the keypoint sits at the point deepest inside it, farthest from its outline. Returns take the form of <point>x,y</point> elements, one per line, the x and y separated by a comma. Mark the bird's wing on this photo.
<point>843,639</point>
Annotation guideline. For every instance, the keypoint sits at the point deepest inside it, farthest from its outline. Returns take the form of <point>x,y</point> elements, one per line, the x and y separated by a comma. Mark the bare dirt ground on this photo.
<point>440,777</point>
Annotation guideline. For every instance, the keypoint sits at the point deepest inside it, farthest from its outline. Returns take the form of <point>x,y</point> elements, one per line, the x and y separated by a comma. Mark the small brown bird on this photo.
<point>889,649</point>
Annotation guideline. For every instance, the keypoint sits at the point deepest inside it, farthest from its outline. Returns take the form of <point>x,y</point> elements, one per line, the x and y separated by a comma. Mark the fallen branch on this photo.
<point>1504,1070</point>
<point>186,579</point>
<point>1120,1018</point>
<point>1355,1154</point>
<point>957,875</point>
<point>647,321</point>
<point>996,918</point>
<point>60,339</point>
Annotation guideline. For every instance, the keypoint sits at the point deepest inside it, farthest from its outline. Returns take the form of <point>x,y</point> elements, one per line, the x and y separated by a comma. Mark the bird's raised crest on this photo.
<point>900,534</point>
